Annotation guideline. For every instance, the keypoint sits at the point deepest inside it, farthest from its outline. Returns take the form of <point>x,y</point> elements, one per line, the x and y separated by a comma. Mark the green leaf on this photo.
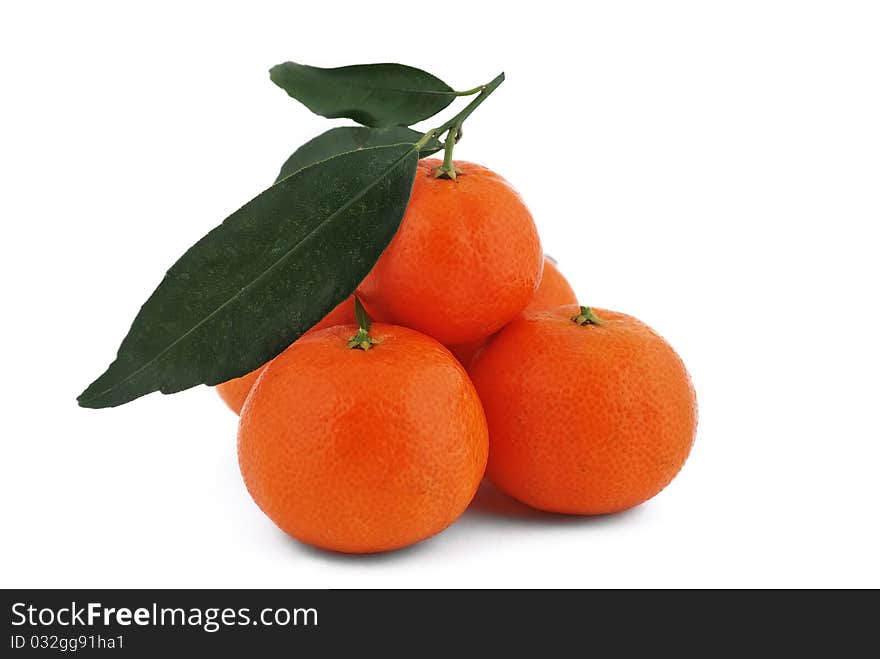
<point>352,138</point>
<point>361,316</point>
<point>268,273</point>
<point>371,94</point>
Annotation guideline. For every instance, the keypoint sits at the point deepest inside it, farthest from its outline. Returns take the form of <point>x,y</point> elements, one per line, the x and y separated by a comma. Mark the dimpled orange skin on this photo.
<point>363,451</point>
<point>584,419</point>
<point>234,392</point>
<point>465,261</point>
<point>465,352</point>
<point>553,291</point>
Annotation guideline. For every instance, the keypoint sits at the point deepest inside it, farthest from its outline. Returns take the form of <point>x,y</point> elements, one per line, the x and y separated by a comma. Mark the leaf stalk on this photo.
<point>456,121</point>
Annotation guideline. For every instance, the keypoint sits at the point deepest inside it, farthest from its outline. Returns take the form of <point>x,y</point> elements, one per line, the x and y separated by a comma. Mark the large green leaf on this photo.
<point>371,94</point>
<point>352,138</point>
<point>269,272</point>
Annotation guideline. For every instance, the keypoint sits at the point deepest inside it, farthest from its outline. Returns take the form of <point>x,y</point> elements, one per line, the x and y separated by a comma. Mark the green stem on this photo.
<point>470,92</point>
<point>586,317</point>
<point>362,340</point>
<point>447,169</point>
<point>457,120</point>
<point>450,144</point>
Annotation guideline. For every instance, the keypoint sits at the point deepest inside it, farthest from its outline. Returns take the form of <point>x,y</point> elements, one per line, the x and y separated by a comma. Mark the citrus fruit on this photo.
<point>465,261</point>
<point>363,450</point>
<point>584,418</point>
<point>234,392</point>
<point>553,291</point>
<point>465,352</point>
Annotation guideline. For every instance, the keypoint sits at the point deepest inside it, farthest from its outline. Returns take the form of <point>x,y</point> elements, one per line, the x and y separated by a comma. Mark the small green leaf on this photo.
<point>371,94</point>
<point>363,318</point>
<point>268,273</point>
<point>352,138</point>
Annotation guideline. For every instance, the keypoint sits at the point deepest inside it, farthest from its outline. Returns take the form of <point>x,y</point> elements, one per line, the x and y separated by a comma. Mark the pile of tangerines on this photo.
<point>370,435</point>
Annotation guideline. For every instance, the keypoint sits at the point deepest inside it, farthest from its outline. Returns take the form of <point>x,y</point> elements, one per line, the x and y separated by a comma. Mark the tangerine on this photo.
<point>553,291</point>
<point>465,260</point>
<point>363,451</point>
<point>589,412</point>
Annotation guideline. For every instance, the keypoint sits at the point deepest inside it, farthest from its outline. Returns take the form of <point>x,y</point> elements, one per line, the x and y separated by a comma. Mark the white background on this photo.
<point>712,168</point>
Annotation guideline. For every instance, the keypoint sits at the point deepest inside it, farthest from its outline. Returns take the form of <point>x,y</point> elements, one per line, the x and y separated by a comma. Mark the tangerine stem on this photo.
<point>362,340</point>
<point>447,169</point>
<point>457,120</point>
<point>586,317</point>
